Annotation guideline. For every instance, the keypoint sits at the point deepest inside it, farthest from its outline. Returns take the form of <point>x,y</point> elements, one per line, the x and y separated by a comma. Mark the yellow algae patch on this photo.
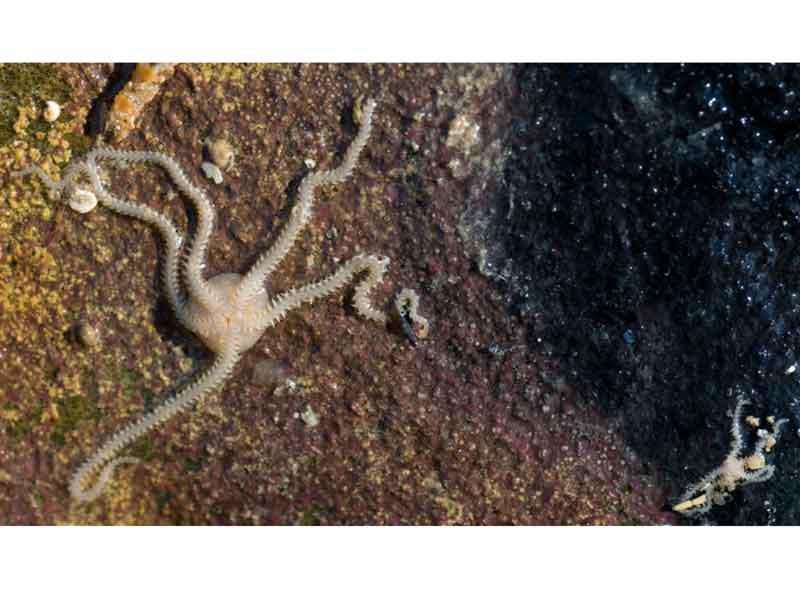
<point>25,114</point>
<point>237,74</point>
<point>37,368</point>
<point>25,299</point>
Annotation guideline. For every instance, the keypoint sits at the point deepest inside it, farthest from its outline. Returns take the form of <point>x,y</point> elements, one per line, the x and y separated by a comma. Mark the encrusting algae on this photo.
<point>50,265</point>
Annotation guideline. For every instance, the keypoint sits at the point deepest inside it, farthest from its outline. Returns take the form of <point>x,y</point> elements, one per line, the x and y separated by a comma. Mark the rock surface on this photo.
<point>647,230</point>
<point>476,424</point>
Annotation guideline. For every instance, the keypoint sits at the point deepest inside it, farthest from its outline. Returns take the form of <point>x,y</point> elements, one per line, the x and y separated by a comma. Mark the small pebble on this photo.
<point>463,133</point>
<point>88,335</point>
<point>52,111</point>
<point>310,418</point>
<point>220,152</point>
<point>212,172</point>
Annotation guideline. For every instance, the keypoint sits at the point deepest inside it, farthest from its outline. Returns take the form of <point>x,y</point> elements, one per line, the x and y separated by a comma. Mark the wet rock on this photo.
<point>268,373</point>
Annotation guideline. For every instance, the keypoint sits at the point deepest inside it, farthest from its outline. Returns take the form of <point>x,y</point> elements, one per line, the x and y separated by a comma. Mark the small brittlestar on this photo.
<point>228,312</point>
<point>739,468</point>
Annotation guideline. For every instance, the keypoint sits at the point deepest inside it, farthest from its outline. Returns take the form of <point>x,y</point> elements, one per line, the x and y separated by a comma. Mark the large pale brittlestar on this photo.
<point>228,312</point>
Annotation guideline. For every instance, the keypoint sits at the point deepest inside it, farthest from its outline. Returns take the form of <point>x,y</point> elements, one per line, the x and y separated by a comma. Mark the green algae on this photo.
<point>24,84</point>
<point>23,427</point>
<point>78,143</point>
<point>163,498</point>
<point>73,411</point>
<point>311,516</point>
<point>131,380</point>
<point>142,449</point>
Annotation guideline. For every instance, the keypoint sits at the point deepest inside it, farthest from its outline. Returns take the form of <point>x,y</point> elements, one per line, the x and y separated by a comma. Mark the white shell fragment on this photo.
<point>52,111</point>
<point>212,172</point>
<point>82,201</point>
<point>310,418</point>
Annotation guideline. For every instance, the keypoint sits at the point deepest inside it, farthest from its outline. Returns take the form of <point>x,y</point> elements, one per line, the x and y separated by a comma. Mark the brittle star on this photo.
<point>738,469</point>
<point>228,312</point>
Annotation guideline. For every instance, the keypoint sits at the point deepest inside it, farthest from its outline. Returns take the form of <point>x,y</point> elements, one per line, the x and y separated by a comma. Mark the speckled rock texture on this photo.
<point>647,229</point>
<point>329,419</point>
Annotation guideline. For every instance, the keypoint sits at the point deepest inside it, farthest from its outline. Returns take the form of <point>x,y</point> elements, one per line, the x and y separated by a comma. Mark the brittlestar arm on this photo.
<point>195,262</point>
<point>301,213</point>
<point>55,188</point>
<point>407,304</point>
<point>104,458</point>
<point>171,238</point>
<point>737,441</point>
<point>375,268</point>
<point>701,490</point>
